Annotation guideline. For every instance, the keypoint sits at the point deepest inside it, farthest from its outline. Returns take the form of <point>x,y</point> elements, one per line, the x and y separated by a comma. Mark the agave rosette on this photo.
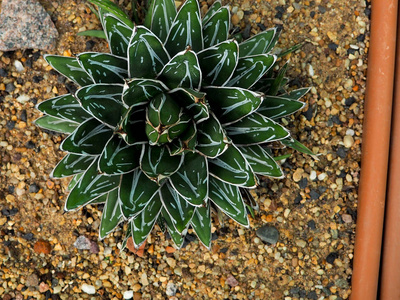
<point>173,123</point>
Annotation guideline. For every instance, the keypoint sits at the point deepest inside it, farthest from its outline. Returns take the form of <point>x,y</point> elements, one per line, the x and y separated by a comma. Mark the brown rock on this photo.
<point>42,247</point>
<point>138,251</point>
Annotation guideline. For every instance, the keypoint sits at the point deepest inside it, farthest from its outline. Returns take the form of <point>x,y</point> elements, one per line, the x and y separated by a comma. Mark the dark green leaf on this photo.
<point>261,162</point>
<point>186,29</point>
<point>255,129</point>
<point>56,124</point>
<point>70,68</point>
<point>104,67</point>
<point>72,164</point>
<point>175,235</point>
<point>278,81</point>
<point>160,17</point>
<point>211,137</point>
<point>64,107</point>
<point>193,101</point>
<point>112,214</point>
<point>128,235</point>
<point>233,168</point>
<point>112,8</point>
<point>291,49</point>
<point>231,104</point>
<point>295,94</point>
<point>277,107</point>
<point>74,181</point>
<point>136,192</point>
<point>157,164</point>
<point>217,63</point>
<point>93,33</point>
<point>296,145</point>
<point>250,69</point>
<point>191,180</point>
<point>180,211</point>
<point>117,34</point>
<point>228,198</point>
<point>201,223</point>
<point>118,157</point>
<point>182,70</point>
<point>216,29</point>
<point>103,101</point>
<point>186,142</point>
<point>144,222</point>
<point>211,11</point>
<point>261,43</point>
<point>89,138</point>
<point>133,126</point>
<point>147,55</point>
<point>141,91</point>
<point>90,186</point>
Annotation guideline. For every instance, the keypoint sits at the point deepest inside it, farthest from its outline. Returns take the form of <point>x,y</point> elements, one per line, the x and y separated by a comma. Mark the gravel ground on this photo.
<point>313,207</point>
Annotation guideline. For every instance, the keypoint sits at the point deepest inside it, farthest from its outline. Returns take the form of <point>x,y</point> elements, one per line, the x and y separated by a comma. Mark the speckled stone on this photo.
<point>24,24</point>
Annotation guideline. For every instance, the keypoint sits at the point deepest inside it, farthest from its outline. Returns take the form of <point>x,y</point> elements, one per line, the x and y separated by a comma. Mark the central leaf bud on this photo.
<point>165,120</point>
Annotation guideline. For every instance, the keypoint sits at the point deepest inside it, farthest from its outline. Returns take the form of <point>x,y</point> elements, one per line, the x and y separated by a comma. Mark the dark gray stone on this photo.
<point>268,234</point>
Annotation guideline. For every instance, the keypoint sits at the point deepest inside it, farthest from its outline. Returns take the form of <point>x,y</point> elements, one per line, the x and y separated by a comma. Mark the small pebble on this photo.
<point>348,141</point>
<point>231,281</point>
<point>18,66</point>
<point>268,234</point>
<point>347,218</point>
<point>82,243</point>
<point>171,289</point>
<point>88,289</point>
<point>128,295</point>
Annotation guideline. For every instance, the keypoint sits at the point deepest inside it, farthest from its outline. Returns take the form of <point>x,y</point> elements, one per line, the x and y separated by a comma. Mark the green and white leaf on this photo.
<point>201,223</point>
<point>104,67</point>
<point>279,81</point>
<point>296,94</point>
<point>133,126</point>
<point>180,211</point>
<point>56,124</point>
<point>186,29</point>
<point>112,8</point>
<point>90,186</point>
<point>72,164</point>
<point>146,54</point>
<point>157,164</point>
<point>160,17</point>
<point>89,138</point>
<point>176,236</point>
<point>212,140</point>
<point>256,129</point>
<point>112,214</point>
<point>117,33</point>
<point>261,43</point>
<point>141,91</point>
<point>261,162</point>
<point>193,101</point>
<point>275,107</point>
<point>217,63</point>
<point>133,196</point>
<point>70,68</point>
<point>182,70</point>
<point>233,168</point>
<point>74,181</point>
<point>191,180</point>
<point>118,157</point>
<point>250,69</point>
<point>212,10</point>
<point>228,198</point>
<point>64,107</point>
<point>231,104</point>
<point>103,101</point>
<point>216,29</point>
<point>144,222</point>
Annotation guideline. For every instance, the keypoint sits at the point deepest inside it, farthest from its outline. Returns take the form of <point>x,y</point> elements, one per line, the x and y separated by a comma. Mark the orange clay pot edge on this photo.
<point>375,150</point>
<point>390,271</point>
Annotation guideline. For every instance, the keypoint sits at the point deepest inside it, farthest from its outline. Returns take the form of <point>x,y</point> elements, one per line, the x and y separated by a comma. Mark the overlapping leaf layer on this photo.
<point>173,123</point>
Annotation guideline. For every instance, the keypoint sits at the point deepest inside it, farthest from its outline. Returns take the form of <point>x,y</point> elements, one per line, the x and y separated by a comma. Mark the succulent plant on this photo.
<point>174,123</point>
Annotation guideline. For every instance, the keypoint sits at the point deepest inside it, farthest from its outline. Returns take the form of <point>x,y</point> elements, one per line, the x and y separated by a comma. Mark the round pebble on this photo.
<point>268,234</point>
